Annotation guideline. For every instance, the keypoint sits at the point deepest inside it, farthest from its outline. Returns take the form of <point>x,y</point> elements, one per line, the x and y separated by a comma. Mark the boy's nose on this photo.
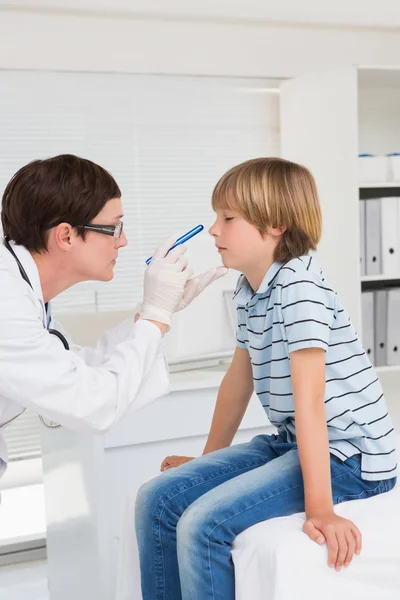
<point>213,230</point>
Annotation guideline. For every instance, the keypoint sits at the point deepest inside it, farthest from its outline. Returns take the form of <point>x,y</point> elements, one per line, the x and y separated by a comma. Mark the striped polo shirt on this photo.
<point>295,308</point>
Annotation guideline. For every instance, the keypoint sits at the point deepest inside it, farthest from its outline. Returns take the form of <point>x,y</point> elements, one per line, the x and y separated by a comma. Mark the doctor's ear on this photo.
<point>64,236</point>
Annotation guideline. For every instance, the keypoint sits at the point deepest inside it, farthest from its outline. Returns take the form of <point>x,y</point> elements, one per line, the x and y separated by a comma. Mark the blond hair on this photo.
<point>273,192</point>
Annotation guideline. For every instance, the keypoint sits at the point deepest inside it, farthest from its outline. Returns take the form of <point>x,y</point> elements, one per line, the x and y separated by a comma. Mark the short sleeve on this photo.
<point>241,328</point>
<point>307,313</point>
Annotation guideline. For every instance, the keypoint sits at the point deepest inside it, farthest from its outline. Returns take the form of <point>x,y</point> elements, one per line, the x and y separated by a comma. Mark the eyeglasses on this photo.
<point>111,230</point>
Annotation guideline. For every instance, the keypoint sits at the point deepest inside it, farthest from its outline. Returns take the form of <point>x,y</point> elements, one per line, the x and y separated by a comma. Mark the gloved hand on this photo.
<point>195,286</point>
<point>164,283</point>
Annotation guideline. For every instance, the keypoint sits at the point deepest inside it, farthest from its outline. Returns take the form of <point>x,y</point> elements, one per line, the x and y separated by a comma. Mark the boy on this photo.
<point>298,350</point>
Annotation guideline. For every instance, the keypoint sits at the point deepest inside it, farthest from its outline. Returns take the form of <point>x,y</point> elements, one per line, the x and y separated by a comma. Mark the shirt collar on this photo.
<point>244,291</point>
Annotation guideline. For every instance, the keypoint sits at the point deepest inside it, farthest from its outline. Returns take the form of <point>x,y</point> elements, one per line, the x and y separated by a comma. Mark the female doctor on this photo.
<point>62,225</point>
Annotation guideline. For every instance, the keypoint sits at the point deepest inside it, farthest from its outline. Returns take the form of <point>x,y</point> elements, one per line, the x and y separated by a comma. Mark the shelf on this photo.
<point>379,184</point>
<point>388,369</point>
<point>385,189</point>
<point>368,278</point>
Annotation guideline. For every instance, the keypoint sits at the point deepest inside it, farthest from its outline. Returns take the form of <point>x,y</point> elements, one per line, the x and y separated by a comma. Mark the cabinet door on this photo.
<point>319,128</point>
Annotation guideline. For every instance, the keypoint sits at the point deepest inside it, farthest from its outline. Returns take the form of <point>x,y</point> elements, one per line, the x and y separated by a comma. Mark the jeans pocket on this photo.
<point>379,488</point>
<point>351,465</point>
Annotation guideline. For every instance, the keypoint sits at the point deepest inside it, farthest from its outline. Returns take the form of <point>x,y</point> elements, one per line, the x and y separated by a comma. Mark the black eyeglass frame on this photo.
<point>111,230</point>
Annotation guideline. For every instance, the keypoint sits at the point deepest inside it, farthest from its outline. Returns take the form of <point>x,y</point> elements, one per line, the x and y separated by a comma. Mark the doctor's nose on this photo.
<point>122,241</point>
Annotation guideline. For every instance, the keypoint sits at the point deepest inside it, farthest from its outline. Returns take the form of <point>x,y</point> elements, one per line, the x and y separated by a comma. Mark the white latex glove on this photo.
<point>164,282</point>
<point>196,285</point>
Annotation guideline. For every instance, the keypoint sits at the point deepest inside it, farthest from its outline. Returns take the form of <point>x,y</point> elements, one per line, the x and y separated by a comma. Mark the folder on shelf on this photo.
<point>373,236</point>
<point>367,311</point>
<point>380,326</point>
<point>398,233</point>
<point>393,327</point>
<point>390,236</point>
<point>362,204</point>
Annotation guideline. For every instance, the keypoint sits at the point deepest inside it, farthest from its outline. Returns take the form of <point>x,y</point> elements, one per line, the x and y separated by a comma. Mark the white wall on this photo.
<point>358,13</point>
<point>252,38</point>
<point>379,118</point>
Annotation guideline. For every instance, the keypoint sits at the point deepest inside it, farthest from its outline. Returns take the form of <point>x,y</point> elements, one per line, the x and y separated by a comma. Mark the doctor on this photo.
<point>62,225</point>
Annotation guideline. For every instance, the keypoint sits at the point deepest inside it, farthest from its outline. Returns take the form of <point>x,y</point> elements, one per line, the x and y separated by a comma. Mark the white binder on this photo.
<point>373,236</point>
<point>390,236</point>
<point>393,327</point>
<point>362,207</point>
<point>381,327</point>
<point>367,308</point>
<point>398,234</point>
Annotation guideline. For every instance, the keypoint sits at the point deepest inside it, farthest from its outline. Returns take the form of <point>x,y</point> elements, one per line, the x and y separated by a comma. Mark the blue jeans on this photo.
<point>188,517</point>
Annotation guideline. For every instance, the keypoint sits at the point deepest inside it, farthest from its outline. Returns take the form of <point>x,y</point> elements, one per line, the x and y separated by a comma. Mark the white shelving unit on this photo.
<point>327,119</point>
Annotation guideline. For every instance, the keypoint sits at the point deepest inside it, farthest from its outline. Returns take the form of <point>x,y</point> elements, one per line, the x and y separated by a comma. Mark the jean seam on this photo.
<point>181,492</point>
<point>210,570</point>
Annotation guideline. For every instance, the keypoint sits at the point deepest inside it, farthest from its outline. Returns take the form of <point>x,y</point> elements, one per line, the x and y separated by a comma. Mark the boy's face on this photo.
<point>240,244</point>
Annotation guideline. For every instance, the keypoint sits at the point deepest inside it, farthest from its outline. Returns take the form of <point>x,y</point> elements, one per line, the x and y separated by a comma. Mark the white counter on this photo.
<point>90,480</point>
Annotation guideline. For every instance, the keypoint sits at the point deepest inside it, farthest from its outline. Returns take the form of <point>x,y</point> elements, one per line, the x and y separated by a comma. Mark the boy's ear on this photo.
<point>277,231</point>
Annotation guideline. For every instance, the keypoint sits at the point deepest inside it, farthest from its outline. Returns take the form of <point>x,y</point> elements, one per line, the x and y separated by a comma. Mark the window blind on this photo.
<point>166,140</point>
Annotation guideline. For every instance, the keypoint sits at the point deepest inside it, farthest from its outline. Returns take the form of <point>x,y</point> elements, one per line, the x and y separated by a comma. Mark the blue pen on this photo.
<point>182,239</point>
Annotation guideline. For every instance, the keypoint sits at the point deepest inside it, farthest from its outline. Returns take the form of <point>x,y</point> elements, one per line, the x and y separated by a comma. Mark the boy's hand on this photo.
<point>174,461</point>
<point>341,536</point>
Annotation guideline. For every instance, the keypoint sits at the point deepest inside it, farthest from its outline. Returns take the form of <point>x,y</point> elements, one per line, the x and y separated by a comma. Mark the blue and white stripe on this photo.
<point>295,308</point>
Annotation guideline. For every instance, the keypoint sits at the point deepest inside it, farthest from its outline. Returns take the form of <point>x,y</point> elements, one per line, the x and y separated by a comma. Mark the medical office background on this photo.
<point>168,96</point>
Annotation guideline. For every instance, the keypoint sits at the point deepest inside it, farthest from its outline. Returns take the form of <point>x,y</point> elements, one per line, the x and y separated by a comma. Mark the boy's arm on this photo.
<point>233,398</point>
<point>307,369</point>
<point>232,401</point>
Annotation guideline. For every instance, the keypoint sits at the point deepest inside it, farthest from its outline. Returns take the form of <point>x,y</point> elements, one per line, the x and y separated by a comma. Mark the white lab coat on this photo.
<point>86,389</point>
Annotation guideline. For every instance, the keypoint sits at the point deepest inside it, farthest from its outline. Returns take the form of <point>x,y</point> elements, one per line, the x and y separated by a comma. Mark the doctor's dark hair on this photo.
<point>45,193</point>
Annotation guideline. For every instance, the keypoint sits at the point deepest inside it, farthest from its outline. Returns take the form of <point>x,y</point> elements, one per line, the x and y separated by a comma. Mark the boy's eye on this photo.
<point>228,218</point>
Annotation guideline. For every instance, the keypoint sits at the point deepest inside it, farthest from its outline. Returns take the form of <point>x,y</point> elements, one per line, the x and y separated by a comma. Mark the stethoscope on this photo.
<point>60,336</point>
